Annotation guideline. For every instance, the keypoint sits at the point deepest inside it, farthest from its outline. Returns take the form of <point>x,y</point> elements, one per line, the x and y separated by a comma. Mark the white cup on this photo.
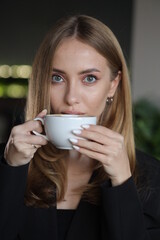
<point>59,127</point>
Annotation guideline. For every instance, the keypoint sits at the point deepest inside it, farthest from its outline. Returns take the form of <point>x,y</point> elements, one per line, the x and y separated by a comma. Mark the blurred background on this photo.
<point>134,22</point>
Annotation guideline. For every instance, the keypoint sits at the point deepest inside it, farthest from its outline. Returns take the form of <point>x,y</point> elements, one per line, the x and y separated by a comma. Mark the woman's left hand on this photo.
<point>106,146</point>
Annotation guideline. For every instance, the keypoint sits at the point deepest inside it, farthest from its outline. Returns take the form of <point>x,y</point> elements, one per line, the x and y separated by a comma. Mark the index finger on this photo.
<point>102,130</point>
<point>28,126</point>
<point>38,125</point>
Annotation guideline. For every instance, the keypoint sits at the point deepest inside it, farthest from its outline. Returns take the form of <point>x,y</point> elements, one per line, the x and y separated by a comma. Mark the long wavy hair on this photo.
<point>47,176</point>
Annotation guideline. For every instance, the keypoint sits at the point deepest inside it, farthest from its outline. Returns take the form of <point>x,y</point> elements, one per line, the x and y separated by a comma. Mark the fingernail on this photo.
<point>85,126</point>
<point>73,140</point>
<point>75,147</point>
<point>44,110</point>
<point>77,131</point>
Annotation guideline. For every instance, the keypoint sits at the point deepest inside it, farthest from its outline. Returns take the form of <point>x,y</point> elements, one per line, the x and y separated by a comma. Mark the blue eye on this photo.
<point>90,79</point>
<point>57,78</point>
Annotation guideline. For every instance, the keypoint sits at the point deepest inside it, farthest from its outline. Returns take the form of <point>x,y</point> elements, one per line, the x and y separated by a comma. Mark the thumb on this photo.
<point>43,113</point>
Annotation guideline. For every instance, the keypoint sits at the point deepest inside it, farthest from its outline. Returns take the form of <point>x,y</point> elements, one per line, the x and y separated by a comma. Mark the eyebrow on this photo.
<point>80,73</point>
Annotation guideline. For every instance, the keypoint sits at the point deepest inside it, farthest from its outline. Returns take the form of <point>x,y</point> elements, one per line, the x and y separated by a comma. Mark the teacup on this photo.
<point>59,127</point>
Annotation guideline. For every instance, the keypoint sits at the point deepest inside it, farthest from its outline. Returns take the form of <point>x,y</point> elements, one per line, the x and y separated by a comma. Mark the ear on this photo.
<point>114,84</point>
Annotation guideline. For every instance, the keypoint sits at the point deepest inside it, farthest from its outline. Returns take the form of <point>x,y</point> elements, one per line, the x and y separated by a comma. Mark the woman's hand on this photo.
<point>107,147</point>
<point>22,144</point>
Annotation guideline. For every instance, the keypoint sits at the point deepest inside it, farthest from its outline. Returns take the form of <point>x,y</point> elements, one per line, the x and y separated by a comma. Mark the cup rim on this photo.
<point>70,115</point>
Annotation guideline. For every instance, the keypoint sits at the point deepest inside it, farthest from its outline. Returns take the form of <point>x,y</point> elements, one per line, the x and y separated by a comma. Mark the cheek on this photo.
<point>97,103</point>
<point>55,100</point>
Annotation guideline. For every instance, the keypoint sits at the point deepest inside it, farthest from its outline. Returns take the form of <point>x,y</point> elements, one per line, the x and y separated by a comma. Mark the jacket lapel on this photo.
<point>86,221</point>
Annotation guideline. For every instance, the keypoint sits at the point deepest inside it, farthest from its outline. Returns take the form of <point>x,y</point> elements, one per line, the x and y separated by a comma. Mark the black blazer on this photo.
<point>126,212</point>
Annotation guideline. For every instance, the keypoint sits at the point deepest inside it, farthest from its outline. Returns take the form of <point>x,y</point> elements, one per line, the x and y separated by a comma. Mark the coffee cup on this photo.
<point>59,128</point>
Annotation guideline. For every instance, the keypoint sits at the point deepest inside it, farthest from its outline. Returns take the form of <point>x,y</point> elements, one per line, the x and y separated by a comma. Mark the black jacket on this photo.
<point>126,212</point>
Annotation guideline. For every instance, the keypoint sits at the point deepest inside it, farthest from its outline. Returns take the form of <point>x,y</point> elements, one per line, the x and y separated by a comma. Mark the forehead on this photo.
<point>76,51</point>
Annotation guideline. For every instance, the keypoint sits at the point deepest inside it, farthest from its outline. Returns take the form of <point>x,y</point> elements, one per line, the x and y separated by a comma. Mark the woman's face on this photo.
<point>81,80</point>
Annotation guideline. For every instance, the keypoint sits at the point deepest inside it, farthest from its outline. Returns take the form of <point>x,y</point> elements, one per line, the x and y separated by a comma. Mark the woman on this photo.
<point>100,189</point>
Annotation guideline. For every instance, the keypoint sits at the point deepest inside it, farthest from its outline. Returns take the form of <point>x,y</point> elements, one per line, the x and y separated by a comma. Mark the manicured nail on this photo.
<point>77,131</point>
<point>85,126</point>
<point>44,111</point>
<point>75,147</point>
<point>73,140</point>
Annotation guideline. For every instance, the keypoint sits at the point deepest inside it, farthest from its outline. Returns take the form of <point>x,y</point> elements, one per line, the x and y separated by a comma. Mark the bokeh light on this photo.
<point>15,71</point>
<point>14,88</point>
<point>16,91</point>
<point>5,71</point>
<point>1,91</point>
<point>24,71</point>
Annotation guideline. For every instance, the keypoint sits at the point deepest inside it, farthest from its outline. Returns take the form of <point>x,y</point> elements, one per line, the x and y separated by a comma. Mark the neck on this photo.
<point>79,162</point>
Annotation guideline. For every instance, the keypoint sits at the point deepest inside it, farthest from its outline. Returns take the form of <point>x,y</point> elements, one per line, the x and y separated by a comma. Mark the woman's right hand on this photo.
<point>22,144</point>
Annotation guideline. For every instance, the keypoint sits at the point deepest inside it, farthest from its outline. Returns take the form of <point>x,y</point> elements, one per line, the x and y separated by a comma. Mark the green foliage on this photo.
<point>147,127</point>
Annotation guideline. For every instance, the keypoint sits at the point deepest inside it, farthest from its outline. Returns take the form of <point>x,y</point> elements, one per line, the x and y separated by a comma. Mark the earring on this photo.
<point>109,100</point>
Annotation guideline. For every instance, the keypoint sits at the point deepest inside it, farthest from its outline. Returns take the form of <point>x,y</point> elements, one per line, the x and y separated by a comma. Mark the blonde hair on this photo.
<point>47,171</point>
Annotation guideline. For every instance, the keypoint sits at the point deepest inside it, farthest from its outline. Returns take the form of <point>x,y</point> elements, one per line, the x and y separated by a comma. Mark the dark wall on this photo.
<point>24,23</point>
<point>11,114</point>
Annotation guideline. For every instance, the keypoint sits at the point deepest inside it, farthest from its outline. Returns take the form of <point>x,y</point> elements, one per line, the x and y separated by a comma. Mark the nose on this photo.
<point>72,94</point>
